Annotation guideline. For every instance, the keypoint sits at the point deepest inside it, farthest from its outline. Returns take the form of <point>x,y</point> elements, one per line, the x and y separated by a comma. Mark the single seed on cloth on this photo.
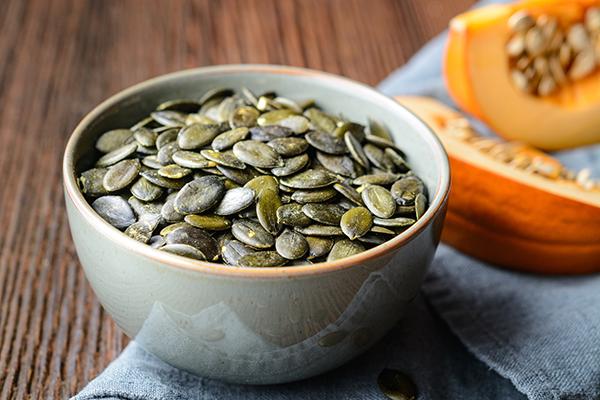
<point>196,238</point>
<point>140,231</point>
<point>252,233</point>
<point>199,195</point>
<point>344,248</point>
<point>235,200</point>
<point>113,139</point>
<point>379,201</point>
<point>356,222</point>
<point>115,210</point>
<point>291,245</point>
<point>396,385</point>
<point>257,154</point>
<point>116,155</point>
<point>262,259</point>
<point>324,213</point>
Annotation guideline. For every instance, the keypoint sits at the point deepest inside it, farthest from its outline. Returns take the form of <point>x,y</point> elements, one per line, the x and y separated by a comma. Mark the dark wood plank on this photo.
<point>59,59</point>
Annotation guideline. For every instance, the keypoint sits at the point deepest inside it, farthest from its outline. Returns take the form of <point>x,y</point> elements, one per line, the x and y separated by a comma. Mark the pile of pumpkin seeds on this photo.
<point>520,155</point>
<point>543,55</point>
<point>253,181</point>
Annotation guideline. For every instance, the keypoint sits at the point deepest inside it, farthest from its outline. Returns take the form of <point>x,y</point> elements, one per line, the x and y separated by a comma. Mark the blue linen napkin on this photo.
<point>475,332</point>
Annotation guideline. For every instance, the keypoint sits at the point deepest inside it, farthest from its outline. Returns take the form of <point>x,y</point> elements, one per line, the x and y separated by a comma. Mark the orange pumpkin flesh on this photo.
<point>510,217</point>
<point>476,73</point>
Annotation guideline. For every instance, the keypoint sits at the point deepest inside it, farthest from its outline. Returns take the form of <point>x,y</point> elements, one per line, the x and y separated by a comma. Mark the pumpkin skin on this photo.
<point>476,73</point>
<point>509,217</point>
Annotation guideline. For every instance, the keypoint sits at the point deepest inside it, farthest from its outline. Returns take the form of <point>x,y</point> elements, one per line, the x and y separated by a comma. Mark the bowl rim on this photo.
<point>122,240</point>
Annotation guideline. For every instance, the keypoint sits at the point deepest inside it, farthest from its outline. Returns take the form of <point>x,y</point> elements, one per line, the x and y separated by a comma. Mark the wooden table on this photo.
<point>60,58</point>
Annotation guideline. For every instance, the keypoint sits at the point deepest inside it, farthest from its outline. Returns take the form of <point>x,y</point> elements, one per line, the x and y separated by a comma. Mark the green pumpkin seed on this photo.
<point>249,96</point>
<point>313,195</point>
<point>199,119</point>
<point>373,239</point>
<point>114,210</point>
<point>140,231</point>
<point>420,205</point>
<point>291,245</point>
<point>181,105</point>
<point>342,165</point>
<point>378,158</point>
<point>406,189</point>
<point>349,192</point>
<point>252,233</point>
<point>382,230</point>
<point>157,241</point>
<point>397,159</point>
<point>196,238</point>
<point>157,179</point>
<point>151,161</point>
<point>291,165</point>
<point>398,222</point>
<point>257,154</point>
<point>235,200</point>
<point>288,104</point>
<point>169,117</point>
<point>292,215</point>
<point>356,222</point>
<point>356,130</point>
<point>174,171</point>
<point>382,179</point>
<point>233,250</point>
<point>91,182</point>
<point>356,150</point>
<point>262,259</point>
<point>272,117</point>
<point>289,146</point>
<point>268,133</point>
<point>199,195</point>
<point>318,246</point>
<point>145,137</point>
<point>326,143</point>
<point>267,203</point>
<point>145,207</point>
<point>344,248</point>
<point>263,182</point>
<point>321,121</point>
<point>145,190</point>
<point>227,159</point>
<point>396,385</point>
<point>319,230</point>
<point>379,201</point>
<point>309,179</point>
<point>297,123</point>
<point>166,137</point>
<point>208,222</point>
<point>377,128</point>
<point>165,154</point>
<point>383,143</point>
<point>192,160</point>
<point>324,213</point>
<point>169,213</point>
<point>116,155</point>
<point>239,176</point>
<point>245,117</point>
<point>227,139</point>
<point>184,250</point>
<point>170,228</point>
<point>266,104</point>
<point>113,139</point>
<point>196,135</point>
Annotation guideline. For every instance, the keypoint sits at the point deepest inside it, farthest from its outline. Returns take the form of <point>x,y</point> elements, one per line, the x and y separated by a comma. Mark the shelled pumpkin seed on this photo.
<point>253,180</point>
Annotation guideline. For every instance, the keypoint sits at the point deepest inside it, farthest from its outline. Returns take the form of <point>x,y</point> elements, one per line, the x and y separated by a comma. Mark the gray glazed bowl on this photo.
<point>252,325</point>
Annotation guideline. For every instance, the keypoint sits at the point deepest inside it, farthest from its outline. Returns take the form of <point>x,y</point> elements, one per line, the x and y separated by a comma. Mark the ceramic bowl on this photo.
<point>252,325</point>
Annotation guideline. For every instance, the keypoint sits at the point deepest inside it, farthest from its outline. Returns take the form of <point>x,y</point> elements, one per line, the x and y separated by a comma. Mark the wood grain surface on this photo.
<point>60,58</point>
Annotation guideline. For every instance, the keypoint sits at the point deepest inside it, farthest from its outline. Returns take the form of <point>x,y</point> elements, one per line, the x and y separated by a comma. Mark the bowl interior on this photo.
<point>334,94</point>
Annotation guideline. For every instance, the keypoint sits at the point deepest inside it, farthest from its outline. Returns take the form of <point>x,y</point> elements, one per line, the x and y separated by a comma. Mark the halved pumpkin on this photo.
<point>510,217</point>
<point>477,71</point>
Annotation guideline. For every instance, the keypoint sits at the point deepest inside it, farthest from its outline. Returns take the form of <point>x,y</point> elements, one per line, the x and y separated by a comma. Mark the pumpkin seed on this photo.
<point>520,21</point>
<point>170,228</point>
<point>325,142</point>
<point>297,123</point>
<point>227,139</point>
<point>288,104</point>
<point>262,259</point>
<point>378,158</point>
<point>145,137</point>
<point>208,222</point>
<point>257,154</point>
<point>184,250</point>
<point>383,179</point>
<point>244,117</point>
<point>145,190</point>
<point>420,205</point>
<point>272,117</point>
<point>196,238</point>
<point>196,135</point>
<point>396,385</point>
<point>321,121</point>
<point>169,213</point>
<point>344,248</point>
<point>169,117</point>
<point>356,222</point>
<point>324,213</point>
<point>154,177</point>
<point>182,105</point>
<point>116,155</point>
<point>377,128</point>
<point>263,182</point>
<point>166,137</point>
<point>113,139</point>
<point>219,92</point>
<point>165,154</point>
<point>140,231</point>
<point>157,241</point>
<point>379,201</point>
<point>318,246</point>
<point>292,215</point>
<point>397,159</point>
<point>349,192</point>
<point>193,160</point>
<point>174,171</point>
<point>233,250</point>
<point>252,233</point>
<point>356,150</point>
<point>227,159</point>
<point>151,161</point>
<point>342,165</point>
<point>114,210</point>
<point>291,165</point>
<point>289,146</point>
<point>235,200</point>
<point>91,182</point>
<point>291,245</point>
<point>268,133</point>
<point>267,204</point>
<point>145,207</point>
<point>199,195</point>
<point>406,189</point>
<point>309,179</point>
<point>398,222</point>
<point>313,195</point>
<point>319,230</point>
